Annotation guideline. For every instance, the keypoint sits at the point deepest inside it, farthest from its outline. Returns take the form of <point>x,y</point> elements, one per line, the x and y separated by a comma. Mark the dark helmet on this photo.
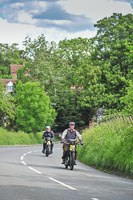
<point>72,123</point>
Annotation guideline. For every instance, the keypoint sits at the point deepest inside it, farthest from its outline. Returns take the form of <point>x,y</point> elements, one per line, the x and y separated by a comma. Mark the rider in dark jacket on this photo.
<point>48,133</point>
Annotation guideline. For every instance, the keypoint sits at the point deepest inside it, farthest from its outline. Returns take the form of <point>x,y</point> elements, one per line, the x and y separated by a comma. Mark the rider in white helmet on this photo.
<point>46,133</point>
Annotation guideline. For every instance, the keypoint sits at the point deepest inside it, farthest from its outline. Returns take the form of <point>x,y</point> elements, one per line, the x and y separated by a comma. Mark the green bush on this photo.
<point>33,108</point>
<point>19,138</point>
<point>109,147</point>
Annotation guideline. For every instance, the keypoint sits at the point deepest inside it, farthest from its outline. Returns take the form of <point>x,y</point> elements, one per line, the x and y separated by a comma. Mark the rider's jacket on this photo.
<point>67,134</point>
<point>48,134</point>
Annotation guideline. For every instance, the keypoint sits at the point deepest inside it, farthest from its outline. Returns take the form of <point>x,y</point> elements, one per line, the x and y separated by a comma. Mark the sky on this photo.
<point>56,19</point>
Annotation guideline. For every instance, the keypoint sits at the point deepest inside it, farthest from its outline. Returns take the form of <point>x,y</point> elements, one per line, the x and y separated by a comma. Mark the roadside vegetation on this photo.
<point>109,147</point>
<point>20,138</point>
<point>75,77</point>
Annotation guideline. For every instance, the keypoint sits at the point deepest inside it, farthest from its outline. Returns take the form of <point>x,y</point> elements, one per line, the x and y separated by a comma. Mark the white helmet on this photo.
<point>48,127</point>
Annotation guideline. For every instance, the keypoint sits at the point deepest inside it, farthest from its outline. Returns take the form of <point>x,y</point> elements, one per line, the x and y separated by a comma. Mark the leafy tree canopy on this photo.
<point>7,108</point>
<point>33,110</point>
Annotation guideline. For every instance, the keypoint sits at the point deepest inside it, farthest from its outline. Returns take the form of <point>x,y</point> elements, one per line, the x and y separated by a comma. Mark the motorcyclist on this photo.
<point>68,134</point>
<point>48,133</point>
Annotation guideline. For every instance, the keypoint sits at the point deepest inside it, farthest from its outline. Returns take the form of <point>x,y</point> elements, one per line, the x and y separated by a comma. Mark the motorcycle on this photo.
<point>48,146</point>
<point>70,157</point>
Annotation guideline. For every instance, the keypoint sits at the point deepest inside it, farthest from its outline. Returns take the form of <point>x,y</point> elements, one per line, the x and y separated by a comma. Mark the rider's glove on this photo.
<point>81,142</point>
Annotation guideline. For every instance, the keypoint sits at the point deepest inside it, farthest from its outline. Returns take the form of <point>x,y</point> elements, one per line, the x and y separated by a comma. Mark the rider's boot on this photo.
<point>43,151</point>
<point>63,162</point>
<point>75,162</point>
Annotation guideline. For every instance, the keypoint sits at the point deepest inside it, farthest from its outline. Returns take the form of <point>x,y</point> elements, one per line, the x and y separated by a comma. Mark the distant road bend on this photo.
<point>26,174</point>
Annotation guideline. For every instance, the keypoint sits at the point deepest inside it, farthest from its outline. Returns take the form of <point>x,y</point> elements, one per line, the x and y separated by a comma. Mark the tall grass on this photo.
<point>109,147</point>
<point>19,138</point>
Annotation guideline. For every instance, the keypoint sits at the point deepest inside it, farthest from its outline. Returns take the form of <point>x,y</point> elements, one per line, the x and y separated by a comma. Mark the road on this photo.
<point>26,174</point>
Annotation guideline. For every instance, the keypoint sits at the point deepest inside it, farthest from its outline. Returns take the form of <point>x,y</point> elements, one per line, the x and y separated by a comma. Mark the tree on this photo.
<point>41,63</point>
<point>108,52</point>
<point>33,110</point>
<point>9,54</point>
<point>127,100</point>
<point>86,77</point>
<point>57,69</point>
<point>7,108</point>
<point>98,68</point>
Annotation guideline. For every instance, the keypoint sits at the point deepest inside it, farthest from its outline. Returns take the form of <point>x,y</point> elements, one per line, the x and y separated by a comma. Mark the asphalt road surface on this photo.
<point>26,174</point>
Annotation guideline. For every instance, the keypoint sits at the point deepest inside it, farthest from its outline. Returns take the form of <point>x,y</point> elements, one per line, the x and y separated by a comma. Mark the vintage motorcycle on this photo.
<point>70,157</point>
<point>48,146</point>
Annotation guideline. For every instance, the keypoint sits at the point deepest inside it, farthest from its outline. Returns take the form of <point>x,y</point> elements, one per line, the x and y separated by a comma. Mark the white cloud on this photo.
<point>42,4</point>
<point>52,34</point>
<point>16,33</point>
<point>38,7</point>
<point>55,22</point>
<point>96,9</point>
<point>61,22</point>
<point>17,5</point>
<point>26,18</point>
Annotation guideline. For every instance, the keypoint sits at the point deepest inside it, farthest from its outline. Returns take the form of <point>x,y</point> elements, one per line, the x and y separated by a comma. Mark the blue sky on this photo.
<point>56,19</point>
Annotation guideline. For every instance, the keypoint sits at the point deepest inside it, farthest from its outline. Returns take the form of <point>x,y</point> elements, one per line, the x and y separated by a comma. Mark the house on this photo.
<point>8,83</point>
<point>13,70</point>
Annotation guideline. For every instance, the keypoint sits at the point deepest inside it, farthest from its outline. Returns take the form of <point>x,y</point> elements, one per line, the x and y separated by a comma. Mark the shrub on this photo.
<point>19,138</point>
<point>109,147</point>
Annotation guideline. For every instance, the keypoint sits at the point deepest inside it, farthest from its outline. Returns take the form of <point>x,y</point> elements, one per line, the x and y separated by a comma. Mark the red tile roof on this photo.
<point>5,81</point>
<point>14,68</point>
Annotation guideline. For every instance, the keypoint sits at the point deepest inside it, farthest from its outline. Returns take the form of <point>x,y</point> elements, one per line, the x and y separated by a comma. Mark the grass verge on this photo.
<point>20,138</point>
<point>109,147</point>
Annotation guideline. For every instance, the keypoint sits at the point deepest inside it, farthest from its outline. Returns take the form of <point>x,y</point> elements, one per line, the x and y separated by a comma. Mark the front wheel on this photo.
<point>72,159</point>
<point>67,161</point>
<point>66,166</point>
<point>47,151</point>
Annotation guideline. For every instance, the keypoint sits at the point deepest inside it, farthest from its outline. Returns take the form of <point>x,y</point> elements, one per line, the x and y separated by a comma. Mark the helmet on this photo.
<point>72,123</point>
<point>47,127</point>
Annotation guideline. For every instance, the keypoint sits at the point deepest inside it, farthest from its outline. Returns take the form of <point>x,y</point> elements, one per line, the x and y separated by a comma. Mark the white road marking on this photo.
<point>22,157</point>
<point>94,199</point>
<point>35,170</point>
<point>29,152</point>
<point>62,183</point>
<point>23,163</point>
